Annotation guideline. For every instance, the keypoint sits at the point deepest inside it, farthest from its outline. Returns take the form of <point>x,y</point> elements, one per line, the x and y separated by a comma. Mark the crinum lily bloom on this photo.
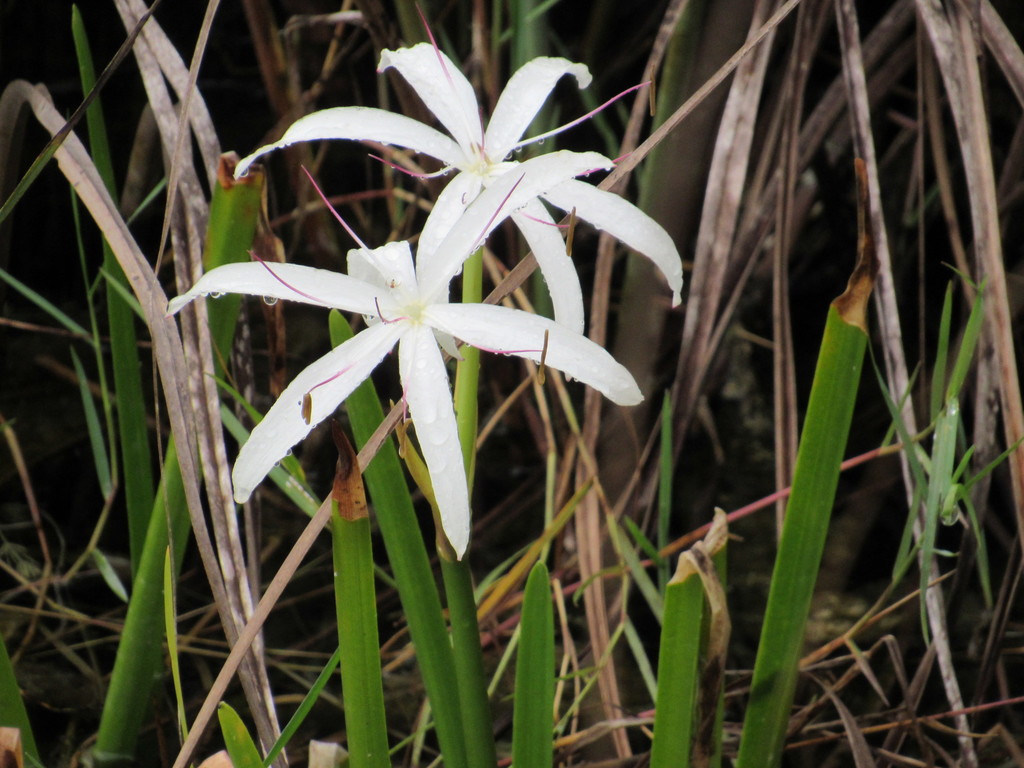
<point>407,305</point>
<point>480,156</point>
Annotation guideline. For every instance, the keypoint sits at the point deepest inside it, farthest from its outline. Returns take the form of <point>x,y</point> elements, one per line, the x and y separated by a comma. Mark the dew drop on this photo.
<point>216,294</point>
<point>270,300</point>
<point>540,141</point>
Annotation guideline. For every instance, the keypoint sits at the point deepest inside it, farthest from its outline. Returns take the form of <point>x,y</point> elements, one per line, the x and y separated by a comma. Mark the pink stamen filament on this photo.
<point>337,215</point>
<point>580,119</point>
<point>542,221</point>
<point>287,285</point>
<point>383,319</point>
<point>414,174</point>
<point>328,380</point>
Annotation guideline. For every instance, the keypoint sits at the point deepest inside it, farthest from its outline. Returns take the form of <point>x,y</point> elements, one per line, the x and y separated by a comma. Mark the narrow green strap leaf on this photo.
<point>44,304</point>
<point>533,707</point>
<point>304,708</point>
<point>171,631</point>
<point>132,427</point>
<point>92,421</point>
<point>12,708</point>
<point>678,673</point>
<point>139,660</point>
<point>356,607</point>
<point>110,577</point>
<point>815,478</point>
<point>237,740</point>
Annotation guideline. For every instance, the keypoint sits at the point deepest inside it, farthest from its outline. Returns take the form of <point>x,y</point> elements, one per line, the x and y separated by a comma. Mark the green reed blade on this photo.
<point>533,707</point>
<point>815,479</point>
<point>237,739</point>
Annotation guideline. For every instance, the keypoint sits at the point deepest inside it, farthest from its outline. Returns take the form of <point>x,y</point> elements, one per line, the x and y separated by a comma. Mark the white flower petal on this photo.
<point>545,240</point>
<point>443,89</point>
<point>625,221</point>
<point>500,199</point>
<point>293,282</point>
<point>450,205</point>
<point>430,404</point>
<point>511,332</point>
<point>364,124</point>
<point>522,98</point>
<point>328,381</point>
<point>361,268</point>
<point>393,261</point>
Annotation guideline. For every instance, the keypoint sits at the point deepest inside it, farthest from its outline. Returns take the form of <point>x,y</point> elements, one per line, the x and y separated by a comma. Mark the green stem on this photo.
<point>477,724</point>
<point>467,375</point>
<point>458,579</point>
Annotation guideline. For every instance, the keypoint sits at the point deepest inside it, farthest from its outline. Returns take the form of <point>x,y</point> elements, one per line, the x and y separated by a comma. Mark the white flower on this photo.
<point>408,305</point>
<point>480,156</point>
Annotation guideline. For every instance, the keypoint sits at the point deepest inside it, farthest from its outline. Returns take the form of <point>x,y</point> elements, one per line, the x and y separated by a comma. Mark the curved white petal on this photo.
<point>451,203</point>
<point>430,404</point>
<point>503,196</point>
<point>443,89</point>
<point>328,381</point>
<point>293,282</point>
<point>625,221</point>
<point>522,98</point>
<point>545,240</point>
<point>393,262</point>
<point>364,124</point>
<point>512,332</point>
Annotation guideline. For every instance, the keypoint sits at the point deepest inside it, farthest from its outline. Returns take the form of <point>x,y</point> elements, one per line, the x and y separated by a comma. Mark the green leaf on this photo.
<point>92,421</point>
<point>678,673</point>
<point>12,708</point>
<point>109,575</point>
<point>237,740</point>
<point>816,476</point>
<point>533,706</point>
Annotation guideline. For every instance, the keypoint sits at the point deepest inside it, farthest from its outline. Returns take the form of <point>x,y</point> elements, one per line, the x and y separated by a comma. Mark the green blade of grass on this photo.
<point>356,606</point>
<point>132,429</point>
<point>678,657</point>
<point>12,708</point>
<point>408,556</point>
<point>304,708</point>
<point>92,421</point>
<point>237,739</point>
<point>139,657</point>
<point>533,707</point>
<point>44,304</point>
<point>171,632</point>
<point>815,479</point>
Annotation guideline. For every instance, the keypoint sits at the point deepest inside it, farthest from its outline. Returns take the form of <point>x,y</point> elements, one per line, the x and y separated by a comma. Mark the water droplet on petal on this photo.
<point>270,300</point>
<point>540,141</point>
<point>216,294</point>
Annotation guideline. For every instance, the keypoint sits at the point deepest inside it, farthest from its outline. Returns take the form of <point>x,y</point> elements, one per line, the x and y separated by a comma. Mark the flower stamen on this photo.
<point>582,118</point>
<point>283,282</point>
